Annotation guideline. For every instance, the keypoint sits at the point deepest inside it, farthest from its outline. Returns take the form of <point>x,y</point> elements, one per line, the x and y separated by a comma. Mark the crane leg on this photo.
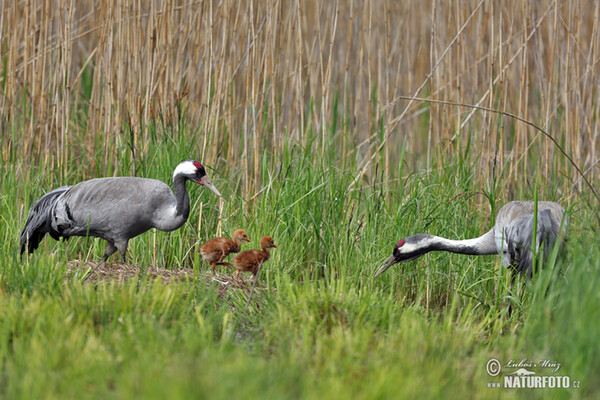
<point>122,247</point>
<point>109,251</point>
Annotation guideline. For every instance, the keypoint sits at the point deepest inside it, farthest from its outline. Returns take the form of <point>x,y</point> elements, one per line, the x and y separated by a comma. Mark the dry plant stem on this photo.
<point>556,144</point>
<point>410,103</point>
<point>259,77</point>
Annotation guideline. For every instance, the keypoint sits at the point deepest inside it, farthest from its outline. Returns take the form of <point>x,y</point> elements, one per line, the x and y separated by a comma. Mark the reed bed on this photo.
<point>92,80</point>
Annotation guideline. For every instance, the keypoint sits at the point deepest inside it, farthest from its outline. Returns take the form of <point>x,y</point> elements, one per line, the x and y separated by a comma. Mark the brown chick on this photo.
<point>215,250</point>
<point>250,260</point>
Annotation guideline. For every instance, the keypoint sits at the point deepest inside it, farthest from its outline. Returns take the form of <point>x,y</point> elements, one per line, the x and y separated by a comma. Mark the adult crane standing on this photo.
<point>114,209</point>
<point>511,236</point>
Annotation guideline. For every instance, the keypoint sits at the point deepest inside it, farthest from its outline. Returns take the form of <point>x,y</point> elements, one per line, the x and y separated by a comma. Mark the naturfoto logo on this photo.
<point>530,374</point>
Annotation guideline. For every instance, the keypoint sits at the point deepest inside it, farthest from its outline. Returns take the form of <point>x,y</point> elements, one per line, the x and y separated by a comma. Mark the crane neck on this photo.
<point>182,208</point>
<point>482,245</point>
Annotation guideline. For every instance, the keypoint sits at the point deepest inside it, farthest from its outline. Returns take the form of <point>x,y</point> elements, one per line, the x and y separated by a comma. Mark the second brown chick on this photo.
<point>250,260</point>
<point>215,250</point>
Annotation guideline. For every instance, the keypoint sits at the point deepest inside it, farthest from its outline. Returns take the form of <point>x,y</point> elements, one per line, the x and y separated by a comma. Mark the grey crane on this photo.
<point>114,209</point>
<point>511,236</point>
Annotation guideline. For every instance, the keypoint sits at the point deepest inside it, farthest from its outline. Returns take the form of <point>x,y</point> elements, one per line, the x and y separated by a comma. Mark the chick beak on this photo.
<point>388,263</point>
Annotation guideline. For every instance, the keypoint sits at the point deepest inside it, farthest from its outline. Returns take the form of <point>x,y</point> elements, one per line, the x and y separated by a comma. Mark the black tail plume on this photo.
<point>37,224</point>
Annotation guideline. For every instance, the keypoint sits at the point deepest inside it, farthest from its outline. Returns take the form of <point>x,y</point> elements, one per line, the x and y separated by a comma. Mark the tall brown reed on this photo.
<point>257,75</point>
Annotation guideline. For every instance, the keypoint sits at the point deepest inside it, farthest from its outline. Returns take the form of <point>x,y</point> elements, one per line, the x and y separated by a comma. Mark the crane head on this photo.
<point>405,250</point>
<point>195,172</point>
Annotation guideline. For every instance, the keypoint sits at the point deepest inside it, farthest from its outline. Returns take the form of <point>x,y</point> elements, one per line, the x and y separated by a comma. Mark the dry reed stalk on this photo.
<point>252,68</point>
<point>433,56</point>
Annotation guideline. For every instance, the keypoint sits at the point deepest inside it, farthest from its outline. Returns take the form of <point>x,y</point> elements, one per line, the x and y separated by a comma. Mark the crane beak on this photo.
<point>388,263</point>
<point>208,184</point>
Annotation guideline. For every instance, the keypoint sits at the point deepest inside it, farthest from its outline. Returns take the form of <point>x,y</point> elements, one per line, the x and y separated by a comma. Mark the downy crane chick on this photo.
<point>215,250</point>
<point>251,260</point>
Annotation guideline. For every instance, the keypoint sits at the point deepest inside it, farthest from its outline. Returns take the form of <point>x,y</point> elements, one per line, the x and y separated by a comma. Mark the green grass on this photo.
<point>320,326</point>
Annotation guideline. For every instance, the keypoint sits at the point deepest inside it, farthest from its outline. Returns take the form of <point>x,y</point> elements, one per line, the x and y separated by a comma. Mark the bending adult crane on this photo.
<point>114,209</point>
<point>512,237</point>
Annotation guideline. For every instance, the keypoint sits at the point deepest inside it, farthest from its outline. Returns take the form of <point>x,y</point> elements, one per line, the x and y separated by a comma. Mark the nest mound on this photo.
<point>98,272</point>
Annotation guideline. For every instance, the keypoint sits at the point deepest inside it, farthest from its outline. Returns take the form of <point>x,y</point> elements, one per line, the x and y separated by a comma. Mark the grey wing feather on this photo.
<point>519,238</point>
<point>115,209</point>
<point>516,210</point>
<point>37,225</point>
